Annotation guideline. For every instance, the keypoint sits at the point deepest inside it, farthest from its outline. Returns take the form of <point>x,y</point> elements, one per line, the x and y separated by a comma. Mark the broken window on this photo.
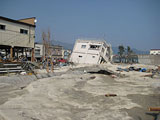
<point>94,47</point>
<point>23,31</point>
<point>83,46</point>
<point>2,27</point>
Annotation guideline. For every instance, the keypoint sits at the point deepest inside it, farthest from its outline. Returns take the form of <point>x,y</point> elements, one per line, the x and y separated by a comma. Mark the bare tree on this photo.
<point>47,48</point>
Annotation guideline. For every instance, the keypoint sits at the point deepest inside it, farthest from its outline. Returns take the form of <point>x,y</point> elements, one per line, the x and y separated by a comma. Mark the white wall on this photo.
<point>86,58</point>
<point>77,48</point>
<point>92,59</point>
<point>39,47</point>
<point>87,55</point>
<point>11,36</point>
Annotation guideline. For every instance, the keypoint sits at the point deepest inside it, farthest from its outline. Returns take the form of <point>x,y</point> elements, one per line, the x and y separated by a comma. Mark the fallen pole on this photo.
<point>154,109</point>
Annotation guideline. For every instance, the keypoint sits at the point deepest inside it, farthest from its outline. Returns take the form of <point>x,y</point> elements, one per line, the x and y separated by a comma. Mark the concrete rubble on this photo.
<point>81,93</point>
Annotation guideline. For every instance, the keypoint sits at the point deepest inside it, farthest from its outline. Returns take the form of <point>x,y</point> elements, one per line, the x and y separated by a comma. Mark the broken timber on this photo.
<point>154,109</point>
<point>110,95</point>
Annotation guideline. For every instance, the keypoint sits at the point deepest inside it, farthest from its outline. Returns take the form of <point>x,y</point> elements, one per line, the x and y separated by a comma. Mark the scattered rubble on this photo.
<point>105,72</point>
<point>81,91</point>
<point>151,72</point>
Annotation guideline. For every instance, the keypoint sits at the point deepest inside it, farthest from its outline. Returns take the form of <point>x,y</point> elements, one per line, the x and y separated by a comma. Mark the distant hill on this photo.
<point>115,51</point>
<point>65,45</point>
<point>140,51</point>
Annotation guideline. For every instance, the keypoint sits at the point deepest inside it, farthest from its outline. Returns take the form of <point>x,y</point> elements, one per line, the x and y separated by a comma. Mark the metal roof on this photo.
<point>16,21</point>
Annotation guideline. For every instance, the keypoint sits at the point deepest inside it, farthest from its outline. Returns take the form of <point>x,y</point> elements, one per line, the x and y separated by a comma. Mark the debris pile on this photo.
<point>29,66</point>
<point>151,71</point>
<point>10,67</point>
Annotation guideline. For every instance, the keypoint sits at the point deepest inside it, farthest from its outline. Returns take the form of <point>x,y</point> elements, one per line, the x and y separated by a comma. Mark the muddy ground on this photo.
<point>79,94</point>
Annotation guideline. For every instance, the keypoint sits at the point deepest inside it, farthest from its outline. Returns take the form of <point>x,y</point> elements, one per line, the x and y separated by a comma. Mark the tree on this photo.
<point>129,53</point>
<point>121,52</point>
<point>47,48</point>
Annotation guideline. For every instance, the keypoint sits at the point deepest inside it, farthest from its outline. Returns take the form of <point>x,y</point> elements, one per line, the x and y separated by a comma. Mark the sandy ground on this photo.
<point>76,94</point>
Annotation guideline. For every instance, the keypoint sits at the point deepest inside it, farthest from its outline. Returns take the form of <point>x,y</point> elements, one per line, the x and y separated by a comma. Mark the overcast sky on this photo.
<point>121,22</point>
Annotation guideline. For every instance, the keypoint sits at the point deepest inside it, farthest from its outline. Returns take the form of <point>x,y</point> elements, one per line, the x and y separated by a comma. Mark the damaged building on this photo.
<point>91,51</point>
<point>16,38</point>
<point>56,51</point>
<point>39,51</point>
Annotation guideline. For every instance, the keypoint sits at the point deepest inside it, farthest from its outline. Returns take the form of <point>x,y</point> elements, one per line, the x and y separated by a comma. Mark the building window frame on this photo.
<point>2,27</point>
<point>83,46</point>
<point>23,31</point>
<point>94,47</point>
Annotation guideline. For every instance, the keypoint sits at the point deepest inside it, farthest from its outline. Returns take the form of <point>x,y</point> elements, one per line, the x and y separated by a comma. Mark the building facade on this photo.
<point>56,51</point>
<point>91,51</point>
<point>155,52</point>
<point>17,35</point>
<point>66,54</point>
<point>39,51</point>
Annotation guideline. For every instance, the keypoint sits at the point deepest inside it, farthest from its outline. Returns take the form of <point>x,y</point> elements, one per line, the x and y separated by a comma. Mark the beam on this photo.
<point>32,57</point>
<point>154,109</point>
<point>52,67</point>
<point>11,53</point>
<point>17,50</point>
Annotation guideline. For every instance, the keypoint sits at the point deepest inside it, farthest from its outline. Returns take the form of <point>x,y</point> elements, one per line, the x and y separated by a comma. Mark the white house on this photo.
<point>91,51</point>
<point>39,51</point>
<point>155,52</point>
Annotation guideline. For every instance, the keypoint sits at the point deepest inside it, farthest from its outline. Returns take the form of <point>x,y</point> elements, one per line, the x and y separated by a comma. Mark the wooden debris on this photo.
<point>154,109</point>
<point>113,76</point>
<point>158,68</point>
<point>148,75</point>
<point>110,95</point>
<point>23,87</point>
<point>93,77</point>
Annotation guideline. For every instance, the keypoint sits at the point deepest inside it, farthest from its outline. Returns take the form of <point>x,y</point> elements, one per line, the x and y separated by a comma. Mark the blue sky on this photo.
<point>121,22</point>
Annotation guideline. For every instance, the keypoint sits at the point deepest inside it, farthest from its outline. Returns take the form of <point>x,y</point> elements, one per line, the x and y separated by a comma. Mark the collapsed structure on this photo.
<point>91,51</point>
<point>16,37</point>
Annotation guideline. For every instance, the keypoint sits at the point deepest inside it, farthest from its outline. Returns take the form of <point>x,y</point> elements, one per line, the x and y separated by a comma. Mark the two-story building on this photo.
<point>91,51</point>
<point>17,36</point>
